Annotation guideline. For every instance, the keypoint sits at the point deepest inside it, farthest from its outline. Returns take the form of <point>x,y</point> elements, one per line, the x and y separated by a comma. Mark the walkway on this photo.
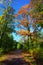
<point>15,58</point>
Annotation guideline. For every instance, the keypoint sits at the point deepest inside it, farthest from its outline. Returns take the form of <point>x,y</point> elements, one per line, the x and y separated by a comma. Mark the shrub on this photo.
<point>1,51</point>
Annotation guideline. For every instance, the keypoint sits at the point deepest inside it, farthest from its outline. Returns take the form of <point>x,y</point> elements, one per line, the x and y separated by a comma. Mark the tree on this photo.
<point>30,16</point>
<point>6,21</point>
<point>36,14</point>
<point>24,22</point>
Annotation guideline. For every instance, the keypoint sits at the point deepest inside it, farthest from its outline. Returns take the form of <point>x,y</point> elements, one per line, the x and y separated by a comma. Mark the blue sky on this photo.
<point>17,4</point>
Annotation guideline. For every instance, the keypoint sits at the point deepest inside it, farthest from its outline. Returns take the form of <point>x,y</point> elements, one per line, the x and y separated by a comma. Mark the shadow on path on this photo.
<point>14,61</point>
<point>39,61</point>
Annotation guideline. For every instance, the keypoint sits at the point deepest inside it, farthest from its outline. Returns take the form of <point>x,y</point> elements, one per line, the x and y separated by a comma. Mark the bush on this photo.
<point>35,52</point>
<point>19,46</point>
<point>1,51</point>
<point>7,43</point>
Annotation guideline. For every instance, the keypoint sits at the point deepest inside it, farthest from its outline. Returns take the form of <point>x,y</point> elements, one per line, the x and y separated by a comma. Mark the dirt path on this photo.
<point>15,58</point>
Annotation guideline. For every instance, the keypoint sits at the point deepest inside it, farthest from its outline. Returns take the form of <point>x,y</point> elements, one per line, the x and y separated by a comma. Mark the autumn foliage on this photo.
<point>29,12</point>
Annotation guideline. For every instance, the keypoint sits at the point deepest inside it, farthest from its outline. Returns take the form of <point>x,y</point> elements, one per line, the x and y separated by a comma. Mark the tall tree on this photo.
<point>31,16</point>
<point>6,20</point>
<point>24,22</point>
